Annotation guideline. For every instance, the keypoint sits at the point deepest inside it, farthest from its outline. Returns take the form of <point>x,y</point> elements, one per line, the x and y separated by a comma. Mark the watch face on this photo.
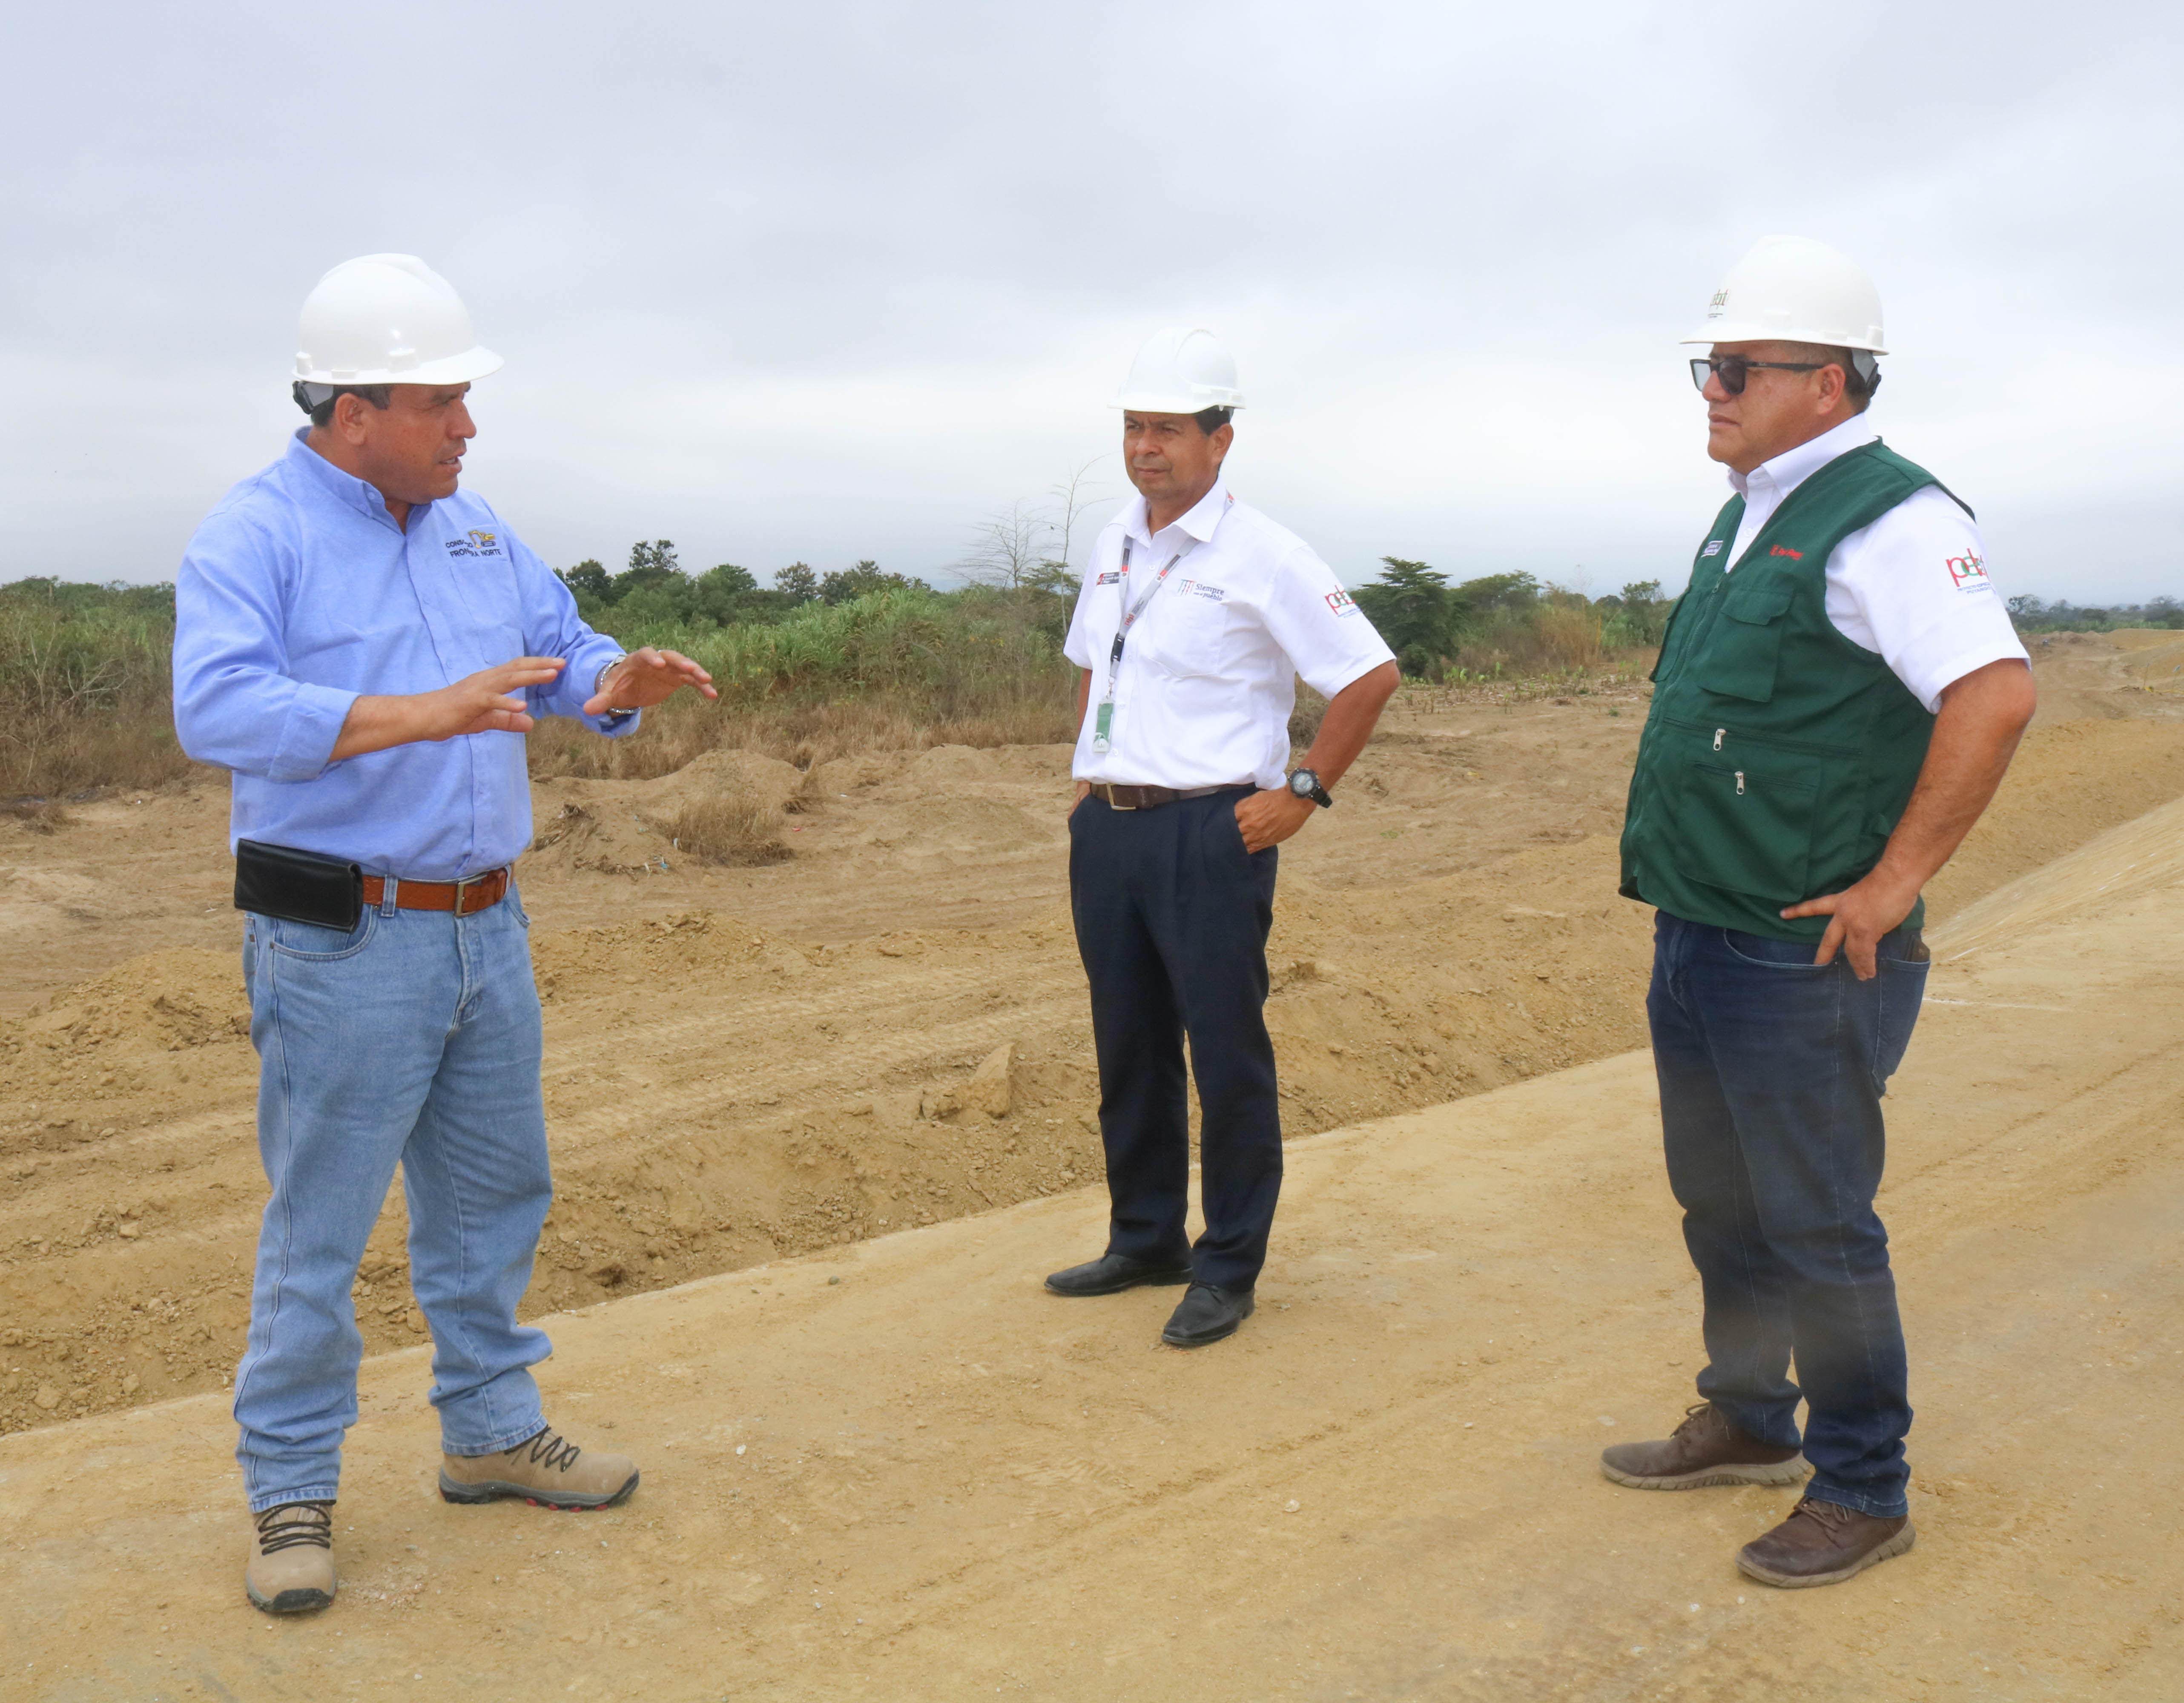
<point>1304,783</point>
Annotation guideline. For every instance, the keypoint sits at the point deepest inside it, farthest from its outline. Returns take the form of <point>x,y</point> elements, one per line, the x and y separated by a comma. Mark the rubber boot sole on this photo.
<point>1790,1471</point>
<point>1888,1551</point>
<point>497,1489</point>
<point>300,1600</point>
<point>1149,1280</point>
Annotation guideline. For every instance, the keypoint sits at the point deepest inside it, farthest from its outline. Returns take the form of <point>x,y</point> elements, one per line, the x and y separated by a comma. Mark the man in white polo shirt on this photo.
<point>1839,693</point>
<point>1197,616</point>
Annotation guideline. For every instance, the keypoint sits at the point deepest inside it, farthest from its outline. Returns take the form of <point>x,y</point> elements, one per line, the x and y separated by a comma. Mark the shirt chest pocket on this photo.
<point>1745,648</point>
<point>1189,638</point>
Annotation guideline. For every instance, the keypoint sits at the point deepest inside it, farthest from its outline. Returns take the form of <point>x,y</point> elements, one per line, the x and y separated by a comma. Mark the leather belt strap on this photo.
<point>465,897</point>
<point>1127,798</point>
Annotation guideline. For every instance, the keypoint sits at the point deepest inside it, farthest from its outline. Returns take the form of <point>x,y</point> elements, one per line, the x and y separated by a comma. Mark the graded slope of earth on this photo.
<point>898,1469</point>
<point>744,1064</point>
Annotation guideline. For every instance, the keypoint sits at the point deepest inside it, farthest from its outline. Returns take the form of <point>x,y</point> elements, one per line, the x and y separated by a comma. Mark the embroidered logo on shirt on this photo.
<point>1712,548</point>
<point>1785,550</point>
<point>474,543</point>
<point>1199,588</point>
<point>1108,579</point>
<point>1342,603</point>
<point>1969,573</point>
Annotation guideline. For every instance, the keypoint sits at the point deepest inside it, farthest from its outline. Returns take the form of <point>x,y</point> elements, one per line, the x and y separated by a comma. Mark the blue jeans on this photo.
<point>416,1040</point>
<point>1772,1072</point>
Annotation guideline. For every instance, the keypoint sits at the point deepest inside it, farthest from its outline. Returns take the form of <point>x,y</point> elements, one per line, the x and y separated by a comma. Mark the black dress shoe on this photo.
<point>1208,1313</point>
<point>1113,1273</point>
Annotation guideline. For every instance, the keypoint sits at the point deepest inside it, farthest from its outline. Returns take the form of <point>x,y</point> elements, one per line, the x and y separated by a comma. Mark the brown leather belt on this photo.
<point>1126,798</point>
<point>476,893</point>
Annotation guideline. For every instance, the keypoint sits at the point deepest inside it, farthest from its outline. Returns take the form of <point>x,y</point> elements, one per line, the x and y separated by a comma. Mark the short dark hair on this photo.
<point>1856,385</point>
<point>322,412</point>
<point>1212,420</point>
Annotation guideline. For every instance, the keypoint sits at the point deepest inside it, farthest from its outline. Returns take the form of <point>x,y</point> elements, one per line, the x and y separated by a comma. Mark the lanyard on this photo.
<point>1103,724</point>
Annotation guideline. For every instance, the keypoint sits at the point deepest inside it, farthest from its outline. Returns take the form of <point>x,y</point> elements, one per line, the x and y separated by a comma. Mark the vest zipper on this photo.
<point>1718,733</point>
<point>1739,783</point>
<point>1804,747</point>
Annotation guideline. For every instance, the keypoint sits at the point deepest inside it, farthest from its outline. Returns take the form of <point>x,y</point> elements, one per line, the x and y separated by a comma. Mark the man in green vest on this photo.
<point>1839,693</point>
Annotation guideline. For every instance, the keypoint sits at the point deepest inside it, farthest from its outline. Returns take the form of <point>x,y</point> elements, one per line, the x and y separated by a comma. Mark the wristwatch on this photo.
<point>612,717</point>
<point>1306,785</point>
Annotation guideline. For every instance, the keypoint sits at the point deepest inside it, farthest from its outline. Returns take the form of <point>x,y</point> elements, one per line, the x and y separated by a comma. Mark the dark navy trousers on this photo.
<point>1772,1072</point>
<point>1172,917</point>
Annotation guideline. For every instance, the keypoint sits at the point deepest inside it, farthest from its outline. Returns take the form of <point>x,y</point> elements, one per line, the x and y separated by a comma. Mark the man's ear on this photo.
<point>1224,435</point>
<point>349,409</point>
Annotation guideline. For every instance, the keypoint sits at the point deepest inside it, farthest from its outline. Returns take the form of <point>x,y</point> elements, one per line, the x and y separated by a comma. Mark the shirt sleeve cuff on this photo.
<point>1939,680</point>
<point>307,736</point>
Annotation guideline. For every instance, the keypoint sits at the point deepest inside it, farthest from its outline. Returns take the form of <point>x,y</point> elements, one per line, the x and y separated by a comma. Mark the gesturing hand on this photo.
<point>646,677</point>
<point>490,701</point>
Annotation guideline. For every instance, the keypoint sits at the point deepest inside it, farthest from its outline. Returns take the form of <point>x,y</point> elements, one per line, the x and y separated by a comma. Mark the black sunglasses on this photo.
<point>1731,369</point>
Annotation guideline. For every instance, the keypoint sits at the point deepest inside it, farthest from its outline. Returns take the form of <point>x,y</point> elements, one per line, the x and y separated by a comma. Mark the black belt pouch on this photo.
<point>297,886</point>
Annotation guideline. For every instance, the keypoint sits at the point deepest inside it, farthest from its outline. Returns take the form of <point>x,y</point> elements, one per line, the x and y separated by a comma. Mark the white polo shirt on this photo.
<point>1208,675</point>
<point>1913,587</point>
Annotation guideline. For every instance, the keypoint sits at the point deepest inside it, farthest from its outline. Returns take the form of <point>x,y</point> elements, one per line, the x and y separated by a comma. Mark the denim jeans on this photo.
<point>1772,1072</point>
<point>1172,916</point>
<point>414,1039</point>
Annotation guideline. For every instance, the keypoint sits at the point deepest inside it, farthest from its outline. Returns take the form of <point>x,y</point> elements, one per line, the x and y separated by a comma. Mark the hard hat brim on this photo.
<point>471,364</point>
<point>1156,401</point>
<point>1750,331</point>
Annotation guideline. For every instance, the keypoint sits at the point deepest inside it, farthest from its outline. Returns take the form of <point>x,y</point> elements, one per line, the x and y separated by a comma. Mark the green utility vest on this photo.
<point>1778,756</point>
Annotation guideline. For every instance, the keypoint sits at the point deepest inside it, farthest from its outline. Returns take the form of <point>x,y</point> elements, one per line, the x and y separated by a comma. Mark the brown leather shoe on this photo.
<point>1824,1543</point>
<point>1705,1449</point>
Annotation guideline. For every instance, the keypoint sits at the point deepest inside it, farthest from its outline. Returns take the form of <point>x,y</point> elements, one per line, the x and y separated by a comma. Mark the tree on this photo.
<point>590,582</point>
<point>1416,612</point>
<point>650,565</point>
<point>1008,547</point>
<point>1075,495</point>
<point>846,585</point>
<point>1499,591</point>
<point>798,582</point>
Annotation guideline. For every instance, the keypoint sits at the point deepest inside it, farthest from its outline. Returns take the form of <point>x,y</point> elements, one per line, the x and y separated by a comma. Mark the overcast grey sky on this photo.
<point>829,281</point>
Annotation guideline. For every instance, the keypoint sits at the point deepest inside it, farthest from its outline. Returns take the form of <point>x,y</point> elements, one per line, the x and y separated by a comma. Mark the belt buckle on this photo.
<point>463,886</point>
<point>1112,803</point>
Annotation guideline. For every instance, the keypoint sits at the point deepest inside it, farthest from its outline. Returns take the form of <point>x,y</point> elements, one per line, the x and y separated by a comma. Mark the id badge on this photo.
<point>1103,723</point>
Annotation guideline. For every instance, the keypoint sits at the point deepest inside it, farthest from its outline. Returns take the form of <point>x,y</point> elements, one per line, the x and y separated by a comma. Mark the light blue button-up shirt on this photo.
<point>298,595</point>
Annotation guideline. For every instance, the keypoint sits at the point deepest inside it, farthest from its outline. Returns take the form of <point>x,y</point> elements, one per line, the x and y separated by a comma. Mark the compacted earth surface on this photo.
<point>820,1126</point>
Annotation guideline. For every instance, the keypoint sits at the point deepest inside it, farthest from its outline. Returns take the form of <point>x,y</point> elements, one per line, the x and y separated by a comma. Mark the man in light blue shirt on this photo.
<point>365,646</point>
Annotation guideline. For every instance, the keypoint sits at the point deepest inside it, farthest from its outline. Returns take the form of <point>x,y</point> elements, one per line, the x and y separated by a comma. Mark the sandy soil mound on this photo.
<point>898,1469</point>
<point>747,1064</point>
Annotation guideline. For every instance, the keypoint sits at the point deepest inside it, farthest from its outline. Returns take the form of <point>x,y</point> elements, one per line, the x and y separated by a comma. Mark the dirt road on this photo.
<point>928,1479</point>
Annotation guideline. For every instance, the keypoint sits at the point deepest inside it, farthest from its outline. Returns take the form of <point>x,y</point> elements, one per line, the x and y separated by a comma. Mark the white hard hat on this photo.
<point>1181,369</point>
<point>1791,289</point>
<point>388,319</point>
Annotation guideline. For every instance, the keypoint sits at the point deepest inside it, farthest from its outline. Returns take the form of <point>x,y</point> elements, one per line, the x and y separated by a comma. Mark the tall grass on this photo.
<point>895,669</point>
<point>84,692</point>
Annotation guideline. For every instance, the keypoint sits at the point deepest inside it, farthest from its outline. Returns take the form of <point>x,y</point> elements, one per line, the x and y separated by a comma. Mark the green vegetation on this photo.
<point>84,688</point>
<point>1501,625</point>
<point>2031,614</point>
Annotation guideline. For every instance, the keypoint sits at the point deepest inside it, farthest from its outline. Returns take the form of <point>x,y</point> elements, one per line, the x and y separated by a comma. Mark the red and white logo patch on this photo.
<point>1342,603</point>
<point>1968,573</point>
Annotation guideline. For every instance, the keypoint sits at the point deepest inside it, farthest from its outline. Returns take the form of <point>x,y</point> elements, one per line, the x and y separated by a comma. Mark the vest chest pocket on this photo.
<point>1746,829</point>
<point>1745,647</point>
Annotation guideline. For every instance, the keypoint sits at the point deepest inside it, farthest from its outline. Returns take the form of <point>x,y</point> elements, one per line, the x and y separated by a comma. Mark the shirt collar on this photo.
<point>1793,467</point>
<point>1199,521</point>
<point>344,487</point>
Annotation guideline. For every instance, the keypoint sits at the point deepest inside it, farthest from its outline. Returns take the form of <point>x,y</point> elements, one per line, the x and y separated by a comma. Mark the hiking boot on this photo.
<point>1824,1543</point>
<point>549,1471</point>
<point>292,1558</point>
<point>1705,1449</point>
